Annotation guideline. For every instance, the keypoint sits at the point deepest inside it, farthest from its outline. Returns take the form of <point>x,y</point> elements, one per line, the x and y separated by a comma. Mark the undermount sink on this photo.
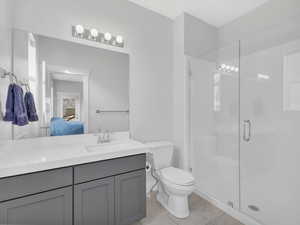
<point>115,147</point>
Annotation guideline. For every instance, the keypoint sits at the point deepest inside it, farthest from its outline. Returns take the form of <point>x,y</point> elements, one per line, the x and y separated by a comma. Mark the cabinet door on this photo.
<point>94,202</point>
<point>53,207</point>
<point>130,197</point>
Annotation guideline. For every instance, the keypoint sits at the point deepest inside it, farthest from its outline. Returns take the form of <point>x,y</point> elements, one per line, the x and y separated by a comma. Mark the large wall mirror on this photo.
<point>77,88</point>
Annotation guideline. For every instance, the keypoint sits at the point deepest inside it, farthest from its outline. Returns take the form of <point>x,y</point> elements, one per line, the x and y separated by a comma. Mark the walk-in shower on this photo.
<point>245,125</point>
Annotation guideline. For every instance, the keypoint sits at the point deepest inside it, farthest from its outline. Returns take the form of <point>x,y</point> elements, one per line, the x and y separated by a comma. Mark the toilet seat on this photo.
<point>177,176</point>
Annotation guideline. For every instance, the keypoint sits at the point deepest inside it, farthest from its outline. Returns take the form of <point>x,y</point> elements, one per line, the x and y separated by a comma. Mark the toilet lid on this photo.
<point>177,176</point>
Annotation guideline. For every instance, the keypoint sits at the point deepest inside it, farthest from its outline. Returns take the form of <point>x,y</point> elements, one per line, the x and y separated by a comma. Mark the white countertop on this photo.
<point>34,155</point>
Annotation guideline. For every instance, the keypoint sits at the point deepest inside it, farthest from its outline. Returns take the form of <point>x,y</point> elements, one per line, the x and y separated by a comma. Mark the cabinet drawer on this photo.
<point>18,186</point>
<point>108,168</point>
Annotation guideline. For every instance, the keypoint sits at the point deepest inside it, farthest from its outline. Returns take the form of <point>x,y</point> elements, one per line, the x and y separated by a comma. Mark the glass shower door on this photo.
<point>270,131</point>
<point>214,94</point>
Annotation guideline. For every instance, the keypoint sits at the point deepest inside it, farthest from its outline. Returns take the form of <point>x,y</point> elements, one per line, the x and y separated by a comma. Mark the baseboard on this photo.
<point>227,209</point>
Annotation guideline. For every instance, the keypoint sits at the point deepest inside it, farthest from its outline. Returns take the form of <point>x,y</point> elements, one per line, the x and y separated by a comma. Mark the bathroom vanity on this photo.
<point>49,175</point>
<point>108,191</point>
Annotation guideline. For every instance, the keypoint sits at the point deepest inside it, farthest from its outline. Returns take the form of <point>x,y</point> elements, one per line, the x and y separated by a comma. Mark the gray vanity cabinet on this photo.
<point>119,199</point>
<point>130,190</point>
<point>94,202</point>
<point>53,207</point>
<point>110,192</point>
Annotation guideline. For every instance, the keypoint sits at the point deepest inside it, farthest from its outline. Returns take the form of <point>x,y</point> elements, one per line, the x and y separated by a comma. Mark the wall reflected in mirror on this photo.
<point>77,88</point>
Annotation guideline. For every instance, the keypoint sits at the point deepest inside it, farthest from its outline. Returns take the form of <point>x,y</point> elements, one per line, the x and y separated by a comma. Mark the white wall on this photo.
<point>5,59</point>
<point>179,92</point>
<point>275,18</point>
<point>149,40</point>
<point>191,37</point>
<point>199,37</point>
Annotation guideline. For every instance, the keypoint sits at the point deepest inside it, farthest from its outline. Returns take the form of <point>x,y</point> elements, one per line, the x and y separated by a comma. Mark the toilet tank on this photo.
<point>162,154</point>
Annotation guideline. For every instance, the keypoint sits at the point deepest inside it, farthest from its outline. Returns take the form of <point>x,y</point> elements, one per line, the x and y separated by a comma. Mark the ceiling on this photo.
<point>214,12</point>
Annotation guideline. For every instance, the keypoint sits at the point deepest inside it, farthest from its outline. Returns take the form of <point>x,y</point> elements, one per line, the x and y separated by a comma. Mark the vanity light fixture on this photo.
<point>228,68</point>
<point>78,31</point>
<point>94,33</point>
<point>107,36</point>
<point>119,39</point>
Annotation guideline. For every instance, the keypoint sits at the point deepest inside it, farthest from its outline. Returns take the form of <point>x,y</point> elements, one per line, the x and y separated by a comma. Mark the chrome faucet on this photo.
<point>104,137</point>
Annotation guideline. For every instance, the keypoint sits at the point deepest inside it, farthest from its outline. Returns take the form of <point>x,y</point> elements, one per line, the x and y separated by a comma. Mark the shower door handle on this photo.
<point>247,130</point>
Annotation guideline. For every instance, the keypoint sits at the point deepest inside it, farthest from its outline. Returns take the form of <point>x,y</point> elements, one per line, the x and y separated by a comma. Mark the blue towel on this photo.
<point>60,127</point>
<point>19,111</point>
<point>30,107</point>
<point>9,114</point>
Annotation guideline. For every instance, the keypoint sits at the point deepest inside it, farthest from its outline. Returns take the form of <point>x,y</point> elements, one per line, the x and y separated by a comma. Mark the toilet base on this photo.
<point>176,205</point>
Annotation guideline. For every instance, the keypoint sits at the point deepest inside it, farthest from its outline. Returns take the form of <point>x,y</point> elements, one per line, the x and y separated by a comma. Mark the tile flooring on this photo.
<point>202,213</point>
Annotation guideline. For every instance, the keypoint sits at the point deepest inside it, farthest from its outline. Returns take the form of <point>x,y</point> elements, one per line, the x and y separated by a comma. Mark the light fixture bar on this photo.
<point>78,31</point>
<point>228,68</point>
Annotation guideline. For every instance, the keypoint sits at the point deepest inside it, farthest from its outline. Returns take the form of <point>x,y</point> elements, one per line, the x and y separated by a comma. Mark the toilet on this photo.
<point>175,185</point>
